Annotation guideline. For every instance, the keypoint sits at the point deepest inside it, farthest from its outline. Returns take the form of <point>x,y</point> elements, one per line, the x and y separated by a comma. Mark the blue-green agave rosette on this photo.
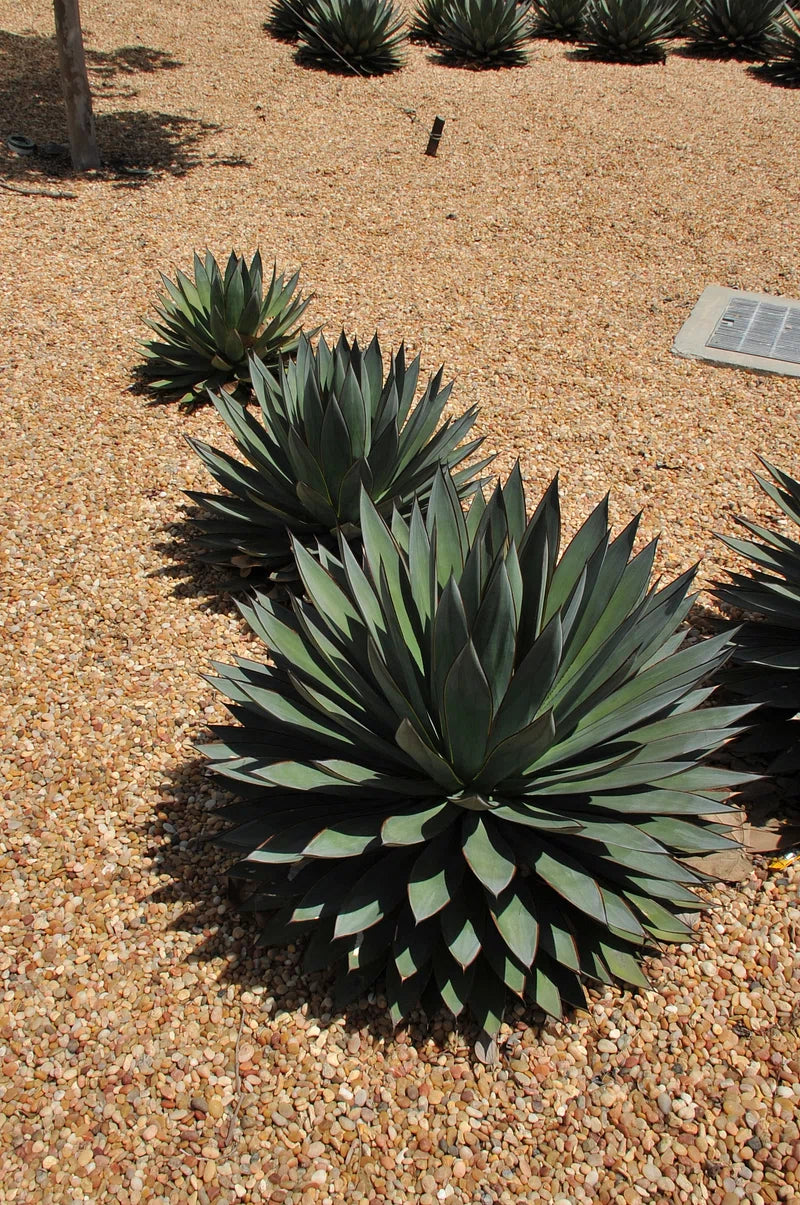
<point>474,769</point>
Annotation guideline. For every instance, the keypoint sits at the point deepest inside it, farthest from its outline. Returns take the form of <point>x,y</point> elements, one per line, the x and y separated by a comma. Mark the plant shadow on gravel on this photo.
<point>776,73</point>
<point>136,145</point>
<point>217,586</point>
<point>197,870</point>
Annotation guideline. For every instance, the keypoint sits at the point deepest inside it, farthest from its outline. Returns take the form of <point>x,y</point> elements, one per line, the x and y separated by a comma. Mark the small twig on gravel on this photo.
<point>237,1104</point>
<point>39,192</point>
<point>355,1154</point>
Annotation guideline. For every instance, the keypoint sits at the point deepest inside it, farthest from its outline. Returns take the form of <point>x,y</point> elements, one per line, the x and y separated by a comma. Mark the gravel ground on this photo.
<point>547,257</point>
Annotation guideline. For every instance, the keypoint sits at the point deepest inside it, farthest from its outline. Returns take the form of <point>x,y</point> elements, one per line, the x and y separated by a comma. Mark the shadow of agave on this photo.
<point>194,577</point>
<point>185,850</point>
<point>781,73</point>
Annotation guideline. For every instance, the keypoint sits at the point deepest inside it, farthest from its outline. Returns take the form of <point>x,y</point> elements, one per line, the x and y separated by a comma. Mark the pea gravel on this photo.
<point>547,256</point>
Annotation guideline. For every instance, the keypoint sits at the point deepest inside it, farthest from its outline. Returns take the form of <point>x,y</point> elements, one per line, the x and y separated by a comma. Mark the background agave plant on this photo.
<point>559,19</point>
<point>488,33</point>
<point>474,766</point>
<point>208,327</point>
<point>333,421</point>
<point>367,35</point>
<point>783,48</point>
<point>683,15</point>
<point>767,652</point>
<point>426,23</point>
<point>737,27</point>
<point>286,19</point>
<point>627,31</point>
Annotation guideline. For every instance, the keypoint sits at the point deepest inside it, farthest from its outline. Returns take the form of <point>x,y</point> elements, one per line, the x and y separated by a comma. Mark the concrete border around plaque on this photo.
<point>753,331</point>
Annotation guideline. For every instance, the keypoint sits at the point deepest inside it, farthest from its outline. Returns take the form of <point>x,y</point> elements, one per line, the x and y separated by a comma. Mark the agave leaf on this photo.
<point>569,879</point>
<point>487,1001</point>
<point>463,926</point>
<point>515,918</point>
<point>454,981</point>
<point>545,992</point>
<point>375,895</point>
<point>346,839</point>
<point>494,633</point>
<point>530,685</point>
<point>467,713</point>
<point>488,855</point>
<point>623,965</point>
<point>435,876</point>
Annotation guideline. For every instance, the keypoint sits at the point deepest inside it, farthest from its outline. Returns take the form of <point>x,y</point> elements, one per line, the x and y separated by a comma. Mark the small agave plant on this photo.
<point>331,423</point>
<point>766,658</point>
<point>426,23</point>
<point>558,19</point>
<point>207,328</point>
<point>346,35</point>
<point>485,33</point>
<point>474,768</point>
<point>740,28</point>
<point>683,15</point>
<point>286,19</point>
<point>783,48</point>
<point>628,31</point>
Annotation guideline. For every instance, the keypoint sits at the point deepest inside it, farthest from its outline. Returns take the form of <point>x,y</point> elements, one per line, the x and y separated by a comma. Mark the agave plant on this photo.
<point>767,652</point>
<point>559,19</point>
<point>627,31</point>
<point>487,33</point>
<point>741,28</point>
<point>333,421</point>
<point>208,327</point>
<point>365,36</point>
<point>783,48</point>
<point>683,15</point>
<point>286,19</point>
<point>475,768</point>
<point>426,23</point>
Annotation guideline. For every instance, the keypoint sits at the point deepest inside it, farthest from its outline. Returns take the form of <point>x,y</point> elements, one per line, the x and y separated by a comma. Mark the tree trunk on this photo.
<point>75,82</point>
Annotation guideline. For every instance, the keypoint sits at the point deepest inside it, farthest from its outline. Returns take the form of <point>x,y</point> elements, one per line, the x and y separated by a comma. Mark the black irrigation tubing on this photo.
<point>410,113</point>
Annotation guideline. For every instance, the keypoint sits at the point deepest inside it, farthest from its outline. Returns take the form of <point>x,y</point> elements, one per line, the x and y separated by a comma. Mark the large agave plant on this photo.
<point>474,767</point>
<point>486,33</point>
<point>208,327</point>
<point>742,28</point>
<point>628,31</point>
<point>365,36</point>
<point>783,48</point>
<point>332,422</point>
<point>767,652</point>
<point>559,19</point>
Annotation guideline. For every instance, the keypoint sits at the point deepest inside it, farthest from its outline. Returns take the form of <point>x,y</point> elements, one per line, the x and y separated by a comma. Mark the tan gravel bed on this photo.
<point>547,256</point>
